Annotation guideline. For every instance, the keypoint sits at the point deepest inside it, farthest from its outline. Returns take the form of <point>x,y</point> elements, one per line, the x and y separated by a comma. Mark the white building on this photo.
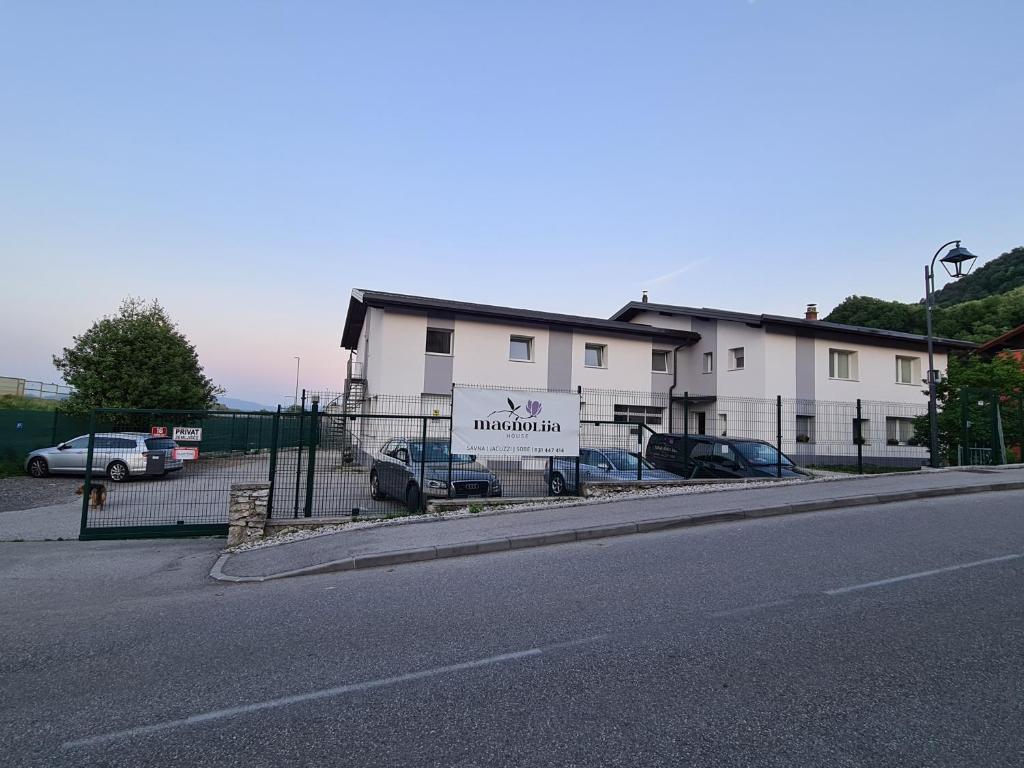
<point>637,365</point>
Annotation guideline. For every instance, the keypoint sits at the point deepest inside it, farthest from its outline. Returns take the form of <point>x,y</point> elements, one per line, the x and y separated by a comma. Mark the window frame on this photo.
<point>449,332</point>
<point>665,355</point>
<point>810,428</point>
<point>852,364</point>
<point>898,422</point>
<point>914,362</point>
<point>602,355</point>
<point>528,340</point>
<point>708,362</point>
<point>865,431</point>
<point>737,362</point>
<point>633,413</point>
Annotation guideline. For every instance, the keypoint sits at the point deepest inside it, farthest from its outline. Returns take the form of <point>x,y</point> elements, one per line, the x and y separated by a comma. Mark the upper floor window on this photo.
<point>736,359</point>
<point>595,355</point>
<point>709,362</point>
<point>842,364</point>
<point>908,369</point>
<point>659,361</point>
<point>520,349</point>
<point>439,341</point>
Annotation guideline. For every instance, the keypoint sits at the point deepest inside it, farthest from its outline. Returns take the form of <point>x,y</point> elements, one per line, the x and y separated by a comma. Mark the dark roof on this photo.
<point>796,325</point>
<point>361,299</point>
<point>1012,339</point>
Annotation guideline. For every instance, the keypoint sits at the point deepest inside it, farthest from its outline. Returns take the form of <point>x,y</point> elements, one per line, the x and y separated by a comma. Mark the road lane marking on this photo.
<point>326,693</point>
<point>920,574</point>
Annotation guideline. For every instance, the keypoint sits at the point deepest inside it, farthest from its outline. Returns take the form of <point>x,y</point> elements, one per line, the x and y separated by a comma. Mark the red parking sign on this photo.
<point>158,431</point>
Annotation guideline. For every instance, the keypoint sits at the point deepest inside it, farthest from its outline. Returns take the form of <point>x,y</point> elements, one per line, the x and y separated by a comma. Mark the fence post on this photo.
<point>860,441</point>
<point>423,466</point>
<point>778,435</point>
<point>87,486</point>
<point>640,451</point>
<point>314,438</point>
<point>273,458</point>
<point>53,435</point>
<point>686,435</point>
<point>298,460</point>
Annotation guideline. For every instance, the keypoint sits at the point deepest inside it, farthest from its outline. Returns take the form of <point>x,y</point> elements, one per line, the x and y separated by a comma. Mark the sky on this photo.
<point>249,163</point>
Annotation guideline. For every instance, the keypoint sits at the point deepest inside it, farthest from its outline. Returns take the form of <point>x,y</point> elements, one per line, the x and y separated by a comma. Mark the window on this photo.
<point>736,359</point>
<point>651,415</point>
<point>79,443</point>
<point>709,362</point>
<point>723,424</point>
<point>659,361</point>
<point>594,355</point>
<point>698,423</point>
<point>842,364</point>
<point>520,349</point>
<point>898,431</point>
<point>908,369</point>
<point>805,429</point>
<point>439,341</point>
<point>861,431</point>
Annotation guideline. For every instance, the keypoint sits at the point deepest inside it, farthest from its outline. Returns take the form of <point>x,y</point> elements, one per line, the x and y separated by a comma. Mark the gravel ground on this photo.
<point>29,492</point>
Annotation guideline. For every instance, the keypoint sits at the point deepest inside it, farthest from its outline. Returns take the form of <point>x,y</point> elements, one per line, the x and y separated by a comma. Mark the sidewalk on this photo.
<point>390,545</point>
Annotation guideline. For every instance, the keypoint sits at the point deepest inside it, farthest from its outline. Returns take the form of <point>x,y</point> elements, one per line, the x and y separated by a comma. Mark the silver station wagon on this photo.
<point>118,455</point>
<point>396,473</point>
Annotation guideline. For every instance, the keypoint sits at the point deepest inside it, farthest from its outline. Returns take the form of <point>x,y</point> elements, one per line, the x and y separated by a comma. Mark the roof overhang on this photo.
<point>362,299</point>
<point>799,327</point>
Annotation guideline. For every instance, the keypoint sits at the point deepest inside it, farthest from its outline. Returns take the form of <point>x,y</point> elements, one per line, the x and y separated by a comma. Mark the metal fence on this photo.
<point>371,456</point>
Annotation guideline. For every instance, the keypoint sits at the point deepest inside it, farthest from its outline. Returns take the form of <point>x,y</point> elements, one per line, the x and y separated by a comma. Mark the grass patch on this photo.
<point>11,468</point>
<point>16,402</point>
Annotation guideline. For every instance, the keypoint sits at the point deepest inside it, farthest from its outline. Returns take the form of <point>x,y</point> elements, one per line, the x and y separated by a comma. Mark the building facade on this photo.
<point>714,371</point>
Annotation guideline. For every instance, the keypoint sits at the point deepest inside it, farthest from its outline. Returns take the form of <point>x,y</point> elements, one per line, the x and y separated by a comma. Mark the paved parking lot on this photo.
<point>199,494</point>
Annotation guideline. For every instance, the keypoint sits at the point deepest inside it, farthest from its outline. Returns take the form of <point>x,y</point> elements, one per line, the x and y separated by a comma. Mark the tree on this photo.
<point>135,359</point>
<point>1002,374</point>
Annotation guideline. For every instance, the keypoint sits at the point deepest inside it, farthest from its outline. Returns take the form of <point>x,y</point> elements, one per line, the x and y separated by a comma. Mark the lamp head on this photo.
<point>958,262</point>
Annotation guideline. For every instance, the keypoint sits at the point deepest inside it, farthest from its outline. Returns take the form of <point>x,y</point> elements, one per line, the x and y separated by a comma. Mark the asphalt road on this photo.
<point>889,635</point>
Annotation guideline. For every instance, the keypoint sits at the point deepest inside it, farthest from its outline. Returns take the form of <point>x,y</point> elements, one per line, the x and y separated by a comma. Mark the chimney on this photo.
<point>812,312</point>
<point>643,298</point>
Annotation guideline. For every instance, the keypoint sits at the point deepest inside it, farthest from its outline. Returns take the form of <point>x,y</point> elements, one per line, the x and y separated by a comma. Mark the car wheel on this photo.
<point>117,471</point>
<point>412,499</point>
<point>375,493</point>
<point>557,485</point>
<point>38,467</point>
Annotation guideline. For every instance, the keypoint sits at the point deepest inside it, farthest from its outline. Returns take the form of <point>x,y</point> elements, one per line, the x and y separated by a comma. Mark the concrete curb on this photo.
<point>382,559</point>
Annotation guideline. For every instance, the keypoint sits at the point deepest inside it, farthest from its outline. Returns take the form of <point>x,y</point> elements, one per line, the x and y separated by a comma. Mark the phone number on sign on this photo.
<point>524,449</point>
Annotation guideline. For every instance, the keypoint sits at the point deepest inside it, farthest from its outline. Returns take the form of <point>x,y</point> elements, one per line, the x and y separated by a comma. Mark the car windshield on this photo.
<point>435,452</point>
<point>624,461</point>
<point>761,454</point>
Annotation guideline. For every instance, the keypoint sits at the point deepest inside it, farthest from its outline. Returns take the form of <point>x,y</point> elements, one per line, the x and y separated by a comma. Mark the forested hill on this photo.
<point>984,304</point>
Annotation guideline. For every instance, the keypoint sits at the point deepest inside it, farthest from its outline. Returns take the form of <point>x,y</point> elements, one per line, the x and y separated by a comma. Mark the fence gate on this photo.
<point>152,473</point>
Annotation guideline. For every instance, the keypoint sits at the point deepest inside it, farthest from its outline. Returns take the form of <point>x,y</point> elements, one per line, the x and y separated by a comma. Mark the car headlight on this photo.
<point>436,484</point>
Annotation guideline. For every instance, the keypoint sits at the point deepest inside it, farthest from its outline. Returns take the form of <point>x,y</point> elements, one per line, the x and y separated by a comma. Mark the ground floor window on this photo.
<point>861,431</point>
<point>651,415</point>
<point>805,429</point>
<point>898,431</point>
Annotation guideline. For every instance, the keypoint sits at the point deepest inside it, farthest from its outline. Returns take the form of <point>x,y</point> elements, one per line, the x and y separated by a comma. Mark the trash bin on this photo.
<point>155,463</point>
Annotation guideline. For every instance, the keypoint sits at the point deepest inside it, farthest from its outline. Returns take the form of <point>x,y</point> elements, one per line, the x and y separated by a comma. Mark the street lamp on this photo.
<point>954,263</point>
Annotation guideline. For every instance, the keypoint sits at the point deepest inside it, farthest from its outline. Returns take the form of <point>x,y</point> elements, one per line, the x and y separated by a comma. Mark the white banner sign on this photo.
<point>499,422</point>
<point>189,434</point>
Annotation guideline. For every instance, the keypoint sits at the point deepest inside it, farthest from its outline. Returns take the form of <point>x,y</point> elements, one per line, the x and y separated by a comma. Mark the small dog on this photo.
<point>97,495</point>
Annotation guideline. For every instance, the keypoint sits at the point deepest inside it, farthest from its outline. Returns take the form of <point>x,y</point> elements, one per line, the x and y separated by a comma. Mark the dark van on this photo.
<point>724,457</point>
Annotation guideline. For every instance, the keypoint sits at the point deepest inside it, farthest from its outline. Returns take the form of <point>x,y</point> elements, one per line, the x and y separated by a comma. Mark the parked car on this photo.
<point>396,472</point>
<point>609,465</point>
<point>724,457</point>
<point>118,455</point>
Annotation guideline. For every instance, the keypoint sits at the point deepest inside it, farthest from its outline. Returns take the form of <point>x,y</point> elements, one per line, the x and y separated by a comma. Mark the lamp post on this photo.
<point>953,262</point>
<point>297,361</point>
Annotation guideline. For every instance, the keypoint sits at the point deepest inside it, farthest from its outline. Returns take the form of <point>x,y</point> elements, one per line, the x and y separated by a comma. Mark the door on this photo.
<point>71,458</point>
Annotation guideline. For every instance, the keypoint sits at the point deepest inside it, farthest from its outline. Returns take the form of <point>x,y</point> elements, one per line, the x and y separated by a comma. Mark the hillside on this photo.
<point>984,304</point>
<point>997,276</point>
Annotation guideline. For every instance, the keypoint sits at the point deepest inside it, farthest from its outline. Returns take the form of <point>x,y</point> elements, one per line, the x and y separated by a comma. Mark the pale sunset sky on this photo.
<point>249,163</point>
